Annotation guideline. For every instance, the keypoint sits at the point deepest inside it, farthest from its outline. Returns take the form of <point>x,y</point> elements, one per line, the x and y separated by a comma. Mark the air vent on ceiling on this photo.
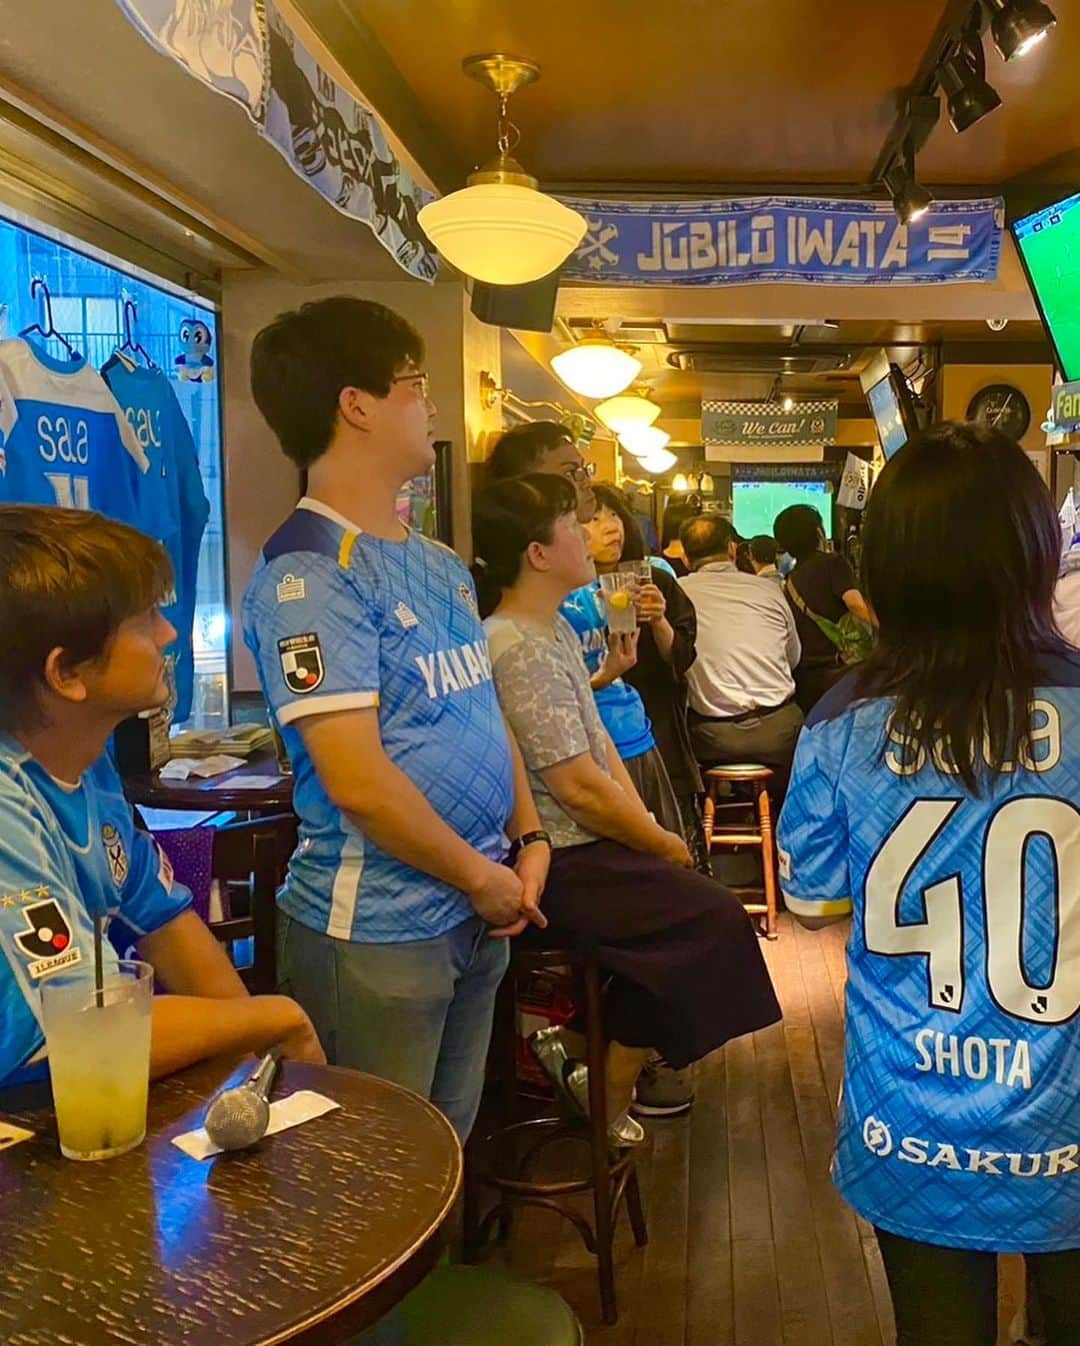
<point>743,361</point>
<point>633,334</point>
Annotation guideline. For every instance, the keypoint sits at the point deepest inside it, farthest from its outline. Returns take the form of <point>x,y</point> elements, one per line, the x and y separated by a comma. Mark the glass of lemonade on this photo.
<point>99,1057</point>
<point>618,589</point>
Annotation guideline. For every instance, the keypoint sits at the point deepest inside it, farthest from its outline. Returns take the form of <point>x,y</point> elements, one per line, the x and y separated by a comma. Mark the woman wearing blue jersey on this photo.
<point>934,799</point>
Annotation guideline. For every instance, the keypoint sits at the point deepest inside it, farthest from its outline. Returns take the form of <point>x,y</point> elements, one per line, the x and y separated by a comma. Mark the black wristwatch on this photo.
<point>529,839</point>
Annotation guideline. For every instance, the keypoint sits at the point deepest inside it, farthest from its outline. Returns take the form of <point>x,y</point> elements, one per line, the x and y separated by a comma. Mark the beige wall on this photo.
<point>261,485</point>
<point>960,383</point>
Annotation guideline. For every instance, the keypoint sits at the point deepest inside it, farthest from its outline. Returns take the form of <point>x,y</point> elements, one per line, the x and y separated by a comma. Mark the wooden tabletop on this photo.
<point>227,791</point>
<point>310,1237</point>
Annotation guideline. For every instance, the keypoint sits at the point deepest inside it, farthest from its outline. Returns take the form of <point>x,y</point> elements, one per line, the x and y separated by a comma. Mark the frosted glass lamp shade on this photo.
<point>501,233</point>
<point>644,439</point>
<point>596,368</point>
<point>627,413</point>
<point>661,460</point>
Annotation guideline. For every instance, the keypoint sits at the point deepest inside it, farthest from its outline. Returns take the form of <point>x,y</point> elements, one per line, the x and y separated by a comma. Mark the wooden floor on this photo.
<point>749,1242</point>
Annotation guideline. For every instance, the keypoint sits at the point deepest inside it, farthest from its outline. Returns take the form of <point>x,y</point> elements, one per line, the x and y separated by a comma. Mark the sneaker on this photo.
<point>662,1091</point>
<point>548,1046</point>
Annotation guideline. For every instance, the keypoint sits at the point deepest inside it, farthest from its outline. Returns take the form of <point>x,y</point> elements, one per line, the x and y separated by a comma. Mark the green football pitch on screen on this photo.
<point>1053,259</point>
<point>755,504</point>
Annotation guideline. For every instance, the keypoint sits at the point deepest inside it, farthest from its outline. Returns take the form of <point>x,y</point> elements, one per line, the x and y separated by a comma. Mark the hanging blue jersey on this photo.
<point>174,507</point>
<point>960,1118</point>
<point>338,620</point>
<point>620,705</point>
<point>63,438</point>
<point>68,853</point>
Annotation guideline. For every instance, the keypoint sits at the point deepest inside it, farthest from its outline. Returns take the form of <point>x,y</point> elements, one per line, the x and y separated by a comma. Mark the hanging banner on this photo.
<point>246,50</point>
<point>772,238</point>
<point>854,489</point>
<point>807,424</point>
<point>1067,406</point>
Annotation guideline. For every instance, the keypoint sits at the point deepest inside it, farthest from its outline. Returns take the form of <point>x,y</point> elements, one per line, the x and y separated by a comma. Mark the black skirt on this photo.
<point>685,964</point>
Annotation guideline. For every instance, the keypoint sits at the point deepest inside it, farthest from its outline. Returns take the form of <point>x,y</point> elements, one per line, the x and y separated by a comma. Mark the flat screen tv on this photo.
<point>891,403</point>
<point>755,504</point>
<point>1049,246</point>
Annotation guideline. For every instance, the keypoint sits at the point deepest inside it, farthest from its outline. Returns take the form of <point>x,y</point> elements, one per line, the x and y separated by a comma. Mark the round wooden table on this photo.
<point>310,1237</point>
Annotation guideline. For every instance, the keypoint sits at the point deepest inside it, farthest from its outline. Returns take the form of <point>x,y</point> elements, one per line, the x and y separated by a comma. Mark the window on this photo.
<point>88,297</point>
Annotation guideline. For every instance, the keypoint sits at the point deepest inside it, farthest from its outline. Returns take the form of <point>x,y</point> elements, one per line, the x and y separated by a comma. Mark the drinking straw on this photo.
<point>99,977</point>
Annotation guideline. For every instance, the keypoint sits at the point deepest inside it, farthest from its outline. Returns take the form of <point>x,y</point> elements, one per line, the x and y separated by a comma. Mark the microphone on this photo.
<point>238,1117</point>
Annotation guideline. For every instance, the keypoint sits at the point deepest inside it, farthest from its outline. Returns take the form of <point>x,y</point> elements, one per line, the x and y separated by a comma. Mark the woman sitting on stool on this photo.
<point>685,967</point>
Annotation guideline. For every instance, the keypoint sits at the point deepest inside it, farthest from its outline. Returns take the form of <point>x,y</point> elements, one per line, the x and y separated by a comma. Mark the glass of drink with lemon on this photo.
<point>98,1044</point>
<point>618,590</point>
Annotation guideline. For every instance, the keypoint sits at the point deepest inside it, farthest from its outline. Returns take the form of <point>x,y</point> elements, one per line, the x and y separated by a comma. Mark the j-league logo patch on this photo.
<point>115,854</point>
<point>47,941</point>
<point>301,662</point>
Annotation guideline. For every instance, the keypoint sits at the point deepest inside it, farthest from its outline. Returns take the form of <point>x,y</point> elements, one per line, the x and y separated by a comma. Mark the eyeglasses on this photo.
<point>580,472</point>
<point>421,382</point>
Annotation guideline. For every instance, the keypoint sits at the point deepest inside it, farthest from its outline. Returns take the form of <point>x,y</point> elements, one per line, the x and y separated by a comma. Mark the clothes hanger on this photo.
<point>131,318</point>
<point>38,287</point>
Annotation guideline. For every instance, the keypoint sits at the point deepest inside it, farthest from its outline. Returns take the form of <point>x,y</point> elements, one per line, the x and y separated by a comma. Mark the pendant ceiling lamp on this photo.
<point>644,440</point>
<point>660,461</point>
<point>627,413</point>
<point>500,228</point>
<point>596,367</point>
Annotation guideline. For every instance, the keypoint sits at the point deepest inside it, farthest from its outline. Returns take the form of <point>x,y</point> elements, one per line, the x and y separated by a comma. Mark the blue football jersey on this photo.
<point>338,620</point>
<point>620,705</point>
<point>63,438</point>
<point>960,1117</point>
<point>174,507</point>
<point>68,853</point>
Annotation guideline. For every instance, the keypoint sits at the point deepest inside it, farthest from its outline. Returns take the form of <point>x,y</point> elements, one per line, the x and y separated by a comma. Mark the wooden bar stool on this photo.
<point>609,1176</point>
<point>756,831</point>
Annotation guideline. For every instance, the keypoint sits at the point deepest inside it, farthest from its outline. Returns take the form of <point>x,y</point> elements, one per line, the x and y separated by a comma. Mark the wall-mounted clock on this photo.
<point>1001,407</point>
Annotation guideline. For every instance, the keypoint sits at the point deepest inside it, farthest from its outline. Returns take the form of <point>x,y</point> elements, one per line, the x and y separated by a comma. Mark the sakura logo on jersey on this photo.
<point>301,662</point>
<point>47,940</point>
<point>467,597</point>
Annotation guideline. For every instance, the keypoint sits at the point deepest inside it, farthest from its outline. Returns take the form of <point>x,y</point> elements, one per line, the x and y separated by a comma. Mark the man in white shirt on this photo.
<point>742,692</point>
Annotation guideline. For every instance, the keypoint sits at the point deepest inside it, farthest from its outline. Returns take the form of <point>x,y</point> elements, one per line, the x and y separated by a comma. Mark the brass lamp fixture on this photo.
<point>500,228</point>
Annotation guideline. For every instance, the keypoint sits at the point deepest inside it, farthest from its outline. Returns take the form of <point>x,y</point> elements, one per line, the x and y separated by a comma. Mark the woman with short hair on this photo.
<point>686,973</point>
<point>934,799</point>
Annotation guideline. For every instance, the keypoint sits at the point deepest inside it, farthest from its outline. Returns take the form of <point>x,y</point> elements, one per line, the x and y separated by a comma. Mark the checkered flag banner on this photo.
<point>805,425</point>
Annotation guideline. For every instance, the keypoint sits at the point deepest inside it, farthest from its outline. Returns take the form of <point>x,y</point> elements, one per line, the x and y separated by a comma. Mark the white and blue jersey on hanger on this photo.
<point>63,438</point>
<point>960,1118</point>
<point>68,853</point>
<point>338,620</point>
<point>173,504</point>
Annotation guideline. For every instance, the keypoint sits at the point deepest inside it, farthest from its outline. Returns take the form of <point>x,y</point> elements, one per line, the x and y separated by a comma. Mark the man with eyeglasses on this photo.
<point>393,917</point>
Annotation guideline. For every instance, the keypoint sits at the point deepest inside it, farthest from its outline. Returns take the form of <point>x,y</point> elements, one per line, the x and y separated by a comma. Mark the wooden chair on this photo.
<point>757,831</point>
<point>611,1176</point>
<point>250,859</point>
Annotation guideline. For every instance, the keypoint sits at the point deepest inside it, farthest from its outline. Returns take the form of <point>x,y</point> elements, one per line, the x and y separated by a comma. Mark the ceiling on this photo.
<point>702,92</point>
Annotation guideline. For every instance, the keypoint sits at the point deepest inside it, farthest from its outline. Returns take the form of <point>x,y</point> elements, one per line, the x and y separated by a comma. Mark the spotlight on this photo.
<point>910,199</point>
<point>963,81</point>
<point>1019,25</point>
<point>788,404</point>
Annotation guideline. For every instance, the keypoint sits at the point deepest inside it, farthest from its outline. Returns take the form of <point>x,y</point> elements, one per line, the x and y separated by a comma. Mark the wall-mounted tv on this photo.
<point>891,403</point>
<point>1049,246</point>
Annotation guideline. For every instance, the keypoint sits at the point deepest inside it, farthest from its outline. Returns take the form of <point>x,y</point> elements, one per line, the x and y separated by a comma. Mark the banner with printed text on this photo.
<point>767,424</point>
<point>247,50</point>
<point>792,239</point>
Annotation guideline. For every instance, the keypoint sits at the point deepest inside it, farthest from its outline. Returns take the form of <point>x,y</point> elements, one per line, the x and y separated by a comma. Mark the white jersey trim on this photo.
<point>346,890</point>
<point>326,705</point>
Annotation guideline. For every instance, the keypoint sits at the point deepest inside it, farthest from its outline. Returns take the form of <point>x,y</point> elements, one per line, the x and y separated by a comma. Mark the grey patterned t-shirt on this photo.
<point>548,701</point>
